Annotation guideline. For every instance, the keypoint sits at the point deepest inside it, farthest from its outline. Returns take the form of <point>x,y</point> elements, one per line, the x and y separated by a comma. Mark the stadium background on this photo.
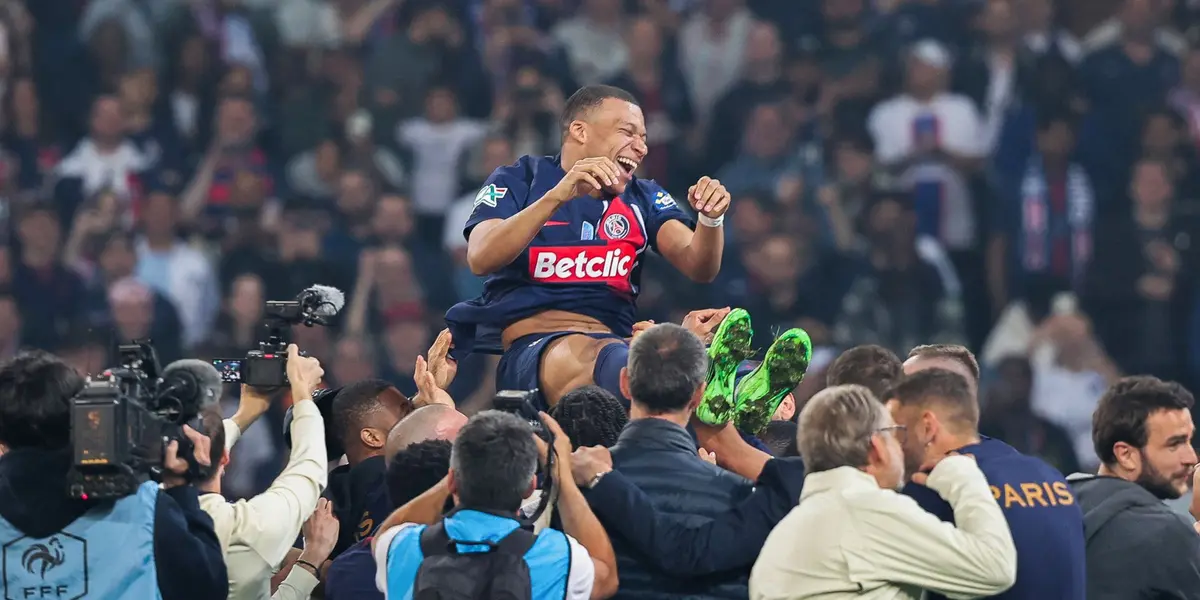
<point>168,165</point>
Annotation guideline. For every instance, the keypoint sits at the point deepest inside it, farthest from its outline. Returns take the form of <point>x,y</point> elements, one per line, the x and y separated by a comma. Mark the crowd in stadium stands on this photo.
<point>1017,176</point>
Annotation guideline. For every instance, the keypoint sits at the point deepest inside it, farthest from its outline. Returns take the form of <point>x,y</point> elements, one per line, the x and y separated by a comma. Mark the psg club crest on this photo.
<point>616,227</point>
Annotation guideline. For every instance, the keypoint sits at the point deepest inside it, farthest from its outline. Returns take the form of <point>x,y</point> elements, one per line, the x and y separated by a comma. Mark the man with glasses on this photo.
<point>854,536</point>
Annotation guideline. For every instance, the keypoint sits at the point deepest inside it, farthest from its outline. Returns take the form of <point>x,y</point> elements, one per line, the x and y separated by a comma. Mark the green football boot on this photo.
<point>760,392</point>
<point>731,345</point>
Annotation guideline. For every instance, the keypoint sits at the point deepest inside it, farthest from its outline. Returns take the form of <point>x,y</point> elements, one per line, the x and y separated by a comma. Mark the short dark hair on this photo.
<point>493,460</point>
<point>590,416</point>
<point>942,387</point>
<point>213,426</point>
<point>780,437</point>
<point>1124,408</point>
<point>354,406</point>
<point>36,389</point>
<point>873,367</point>
<point>667,364</point>
<point>953,352</point>
<point>415,469</point>
<point>587,99</point>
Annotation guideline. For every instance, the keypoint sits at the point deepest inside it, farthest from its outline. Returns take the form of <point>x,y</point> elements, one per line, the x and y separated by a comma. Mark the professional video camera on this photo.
<point>520,403</point>
<point>123,419</point>
<point>267,366</point>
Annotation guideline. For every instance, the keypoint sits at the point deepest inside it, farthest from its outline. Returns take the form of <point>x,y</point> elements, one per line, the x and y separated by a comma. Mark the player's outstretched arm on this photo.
<point>497,242</point>
<point>697,254</point>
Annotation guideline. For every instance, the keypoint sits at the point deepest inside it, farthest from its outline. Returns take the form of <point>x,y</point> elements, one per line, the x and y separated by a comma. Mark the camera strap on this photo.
<point>548,489</point>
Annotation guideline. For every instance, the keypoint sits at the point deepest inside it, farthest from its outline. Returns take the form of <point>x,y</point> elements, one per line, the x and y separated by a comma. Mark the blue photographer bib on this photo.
<point>107,554</point>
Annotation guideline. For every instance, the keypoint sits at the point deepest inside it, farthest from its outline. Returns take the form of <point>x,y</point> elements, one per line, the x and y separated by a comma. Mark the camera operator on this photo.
<point>257,533</point>
<point>154,543</point>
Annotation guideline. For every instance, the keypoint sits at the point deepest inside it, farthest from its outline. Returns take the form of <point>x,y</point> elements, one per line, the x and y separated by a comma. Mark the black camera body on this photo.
<point>520,403</point>
<point>121,423</point>
<point>266,367</point>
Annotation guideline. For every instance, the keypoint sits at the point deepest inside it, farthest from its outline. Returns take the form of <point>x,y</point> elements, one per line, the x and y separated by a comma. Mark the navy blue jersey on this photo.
<point>1045,520</point>
<point>586,259</point>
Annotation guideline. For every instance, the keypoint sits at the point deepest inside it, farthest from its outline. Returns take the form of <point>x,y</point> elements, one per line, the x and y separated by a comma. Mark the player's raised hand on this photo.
<point>588,175</point>
<point>709,198</point>
<point>441,365</point>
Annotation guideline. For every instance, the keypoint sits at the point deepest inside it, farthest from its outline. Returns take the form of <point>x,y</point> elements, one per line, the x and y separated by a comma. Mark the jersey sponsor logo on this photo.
<point>489,195</point>
<point>587,232</point>
<point>1033,494</point>
<point>582,264</point>
<point>616,226</point>
<point>663,200</point>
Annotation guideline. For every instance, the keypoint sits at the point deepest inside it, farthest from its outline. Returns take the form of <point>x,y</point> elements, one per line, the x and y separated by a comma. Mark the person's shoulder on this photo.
<point>652,194</point>
<point>955,104</point>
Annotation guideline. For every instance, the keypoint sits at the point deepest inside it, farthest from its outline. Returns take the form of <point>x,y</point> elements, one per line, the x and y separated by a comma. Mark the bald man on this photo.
<point>433,422</point>
<point>951,357</point>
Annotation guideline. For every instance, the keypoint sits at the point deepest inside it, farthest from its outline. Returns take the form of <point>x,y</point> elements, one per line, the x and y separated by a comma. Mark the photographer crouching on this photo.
<point>257,533</point>
<point>153,543</point>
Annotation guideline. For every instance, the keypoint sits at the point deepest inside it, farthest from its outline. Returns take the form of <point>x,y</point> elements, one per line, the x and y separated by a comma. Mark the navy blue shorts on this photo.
<point>519,365</point>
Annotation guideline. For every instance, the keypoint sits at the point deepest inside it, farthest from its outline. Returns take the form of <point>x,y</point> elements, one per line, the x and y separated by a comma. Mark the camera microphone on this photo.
<point>322,300</point>
<point>193,383</point>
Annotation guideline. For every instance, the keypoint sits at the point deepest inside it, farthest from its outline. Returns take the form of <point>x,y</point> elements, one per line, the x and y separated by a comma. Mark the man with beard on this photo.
<point>1136,546</point>
<point>936,404</point>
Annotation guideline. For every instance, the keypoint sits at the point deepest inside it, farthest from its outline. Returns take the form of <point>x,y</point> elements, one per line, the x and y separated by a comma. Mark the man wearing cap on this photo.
<point>936,139</point>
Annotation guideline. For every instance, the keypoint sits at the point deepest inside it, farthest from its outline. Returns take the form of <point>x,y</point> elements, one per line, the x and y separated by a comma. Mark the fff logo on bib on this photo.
<point>53,567</point>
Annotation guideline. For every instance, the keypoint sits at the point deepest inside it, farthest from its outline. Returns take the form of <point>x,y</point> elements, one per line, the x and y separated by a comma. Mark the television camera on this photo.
<point>124,418</point>
<point>267,365</point>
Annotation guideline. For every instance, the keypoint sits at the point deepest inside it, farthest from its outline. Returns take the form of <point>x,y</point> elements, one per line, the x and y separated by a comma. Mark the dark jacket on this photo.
<point>359,500</point>
<point>660,458</point>
<point>685,546</point>
<point>187,553</point>
<point>1136,546</point>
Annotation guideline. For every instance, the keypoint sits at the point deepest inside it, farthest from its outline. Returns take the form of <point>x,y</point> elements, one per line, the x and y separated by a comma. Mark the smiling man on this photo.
<point>561,240</point>
<point>1136,546</point>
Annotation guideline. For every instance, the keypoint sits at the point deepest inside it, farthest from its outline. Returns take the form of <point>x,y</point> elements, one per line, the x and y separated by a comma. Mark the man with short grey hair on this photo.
<point>665,379</point>
<point>493,467</point>
<point>862,539</point>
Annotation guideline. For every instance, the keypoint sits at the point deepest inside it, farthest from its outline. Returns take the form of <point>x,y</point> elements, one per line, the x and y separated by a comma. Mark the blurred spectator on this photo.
<point>49,295</point>
<point>29,134</point>
<point>106,160</point>
<point>171,267</point>
<point>595,41</point>
<point>654,78</point>
<point>10,326</point>
<point>438,140</point>
<point>761,82</point>
<point>712,48</point>
<point>495,152</point>
<point>1008,415</point>
<point>1070,372</point>
<point>900,300</point>
<point>1044,220</point>
<point>1041,26</point>
<point>1138,285</point>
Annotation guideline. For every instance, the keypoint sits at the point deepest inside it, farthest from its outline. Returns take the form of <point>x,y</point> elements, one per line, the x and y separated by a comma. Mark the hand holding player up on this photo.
<point>587,176</point>
<point>704,322</point>
<point>709,198</point>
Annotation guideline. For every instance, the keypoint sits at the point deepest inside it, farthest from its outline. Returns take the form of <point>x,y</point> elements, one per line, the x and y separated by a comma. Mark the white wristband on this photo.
<point>709,221</point>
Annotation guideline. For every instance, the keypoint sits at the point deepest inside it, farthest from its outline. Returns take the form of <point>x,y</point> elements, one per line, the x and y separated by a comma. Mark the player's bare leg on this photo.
<point>572,362</point>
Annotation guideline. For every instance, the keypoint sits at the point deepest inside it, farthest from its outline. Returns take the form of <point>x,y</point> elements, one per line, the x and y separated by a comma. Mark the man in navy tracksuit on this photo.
<point>939,409</point>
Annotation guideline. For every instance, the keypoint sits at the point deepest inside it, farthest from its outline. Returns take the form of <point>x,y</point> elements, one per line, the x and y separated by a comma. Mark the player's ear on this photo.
<point>625,382</point>
<point>577,132</point>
